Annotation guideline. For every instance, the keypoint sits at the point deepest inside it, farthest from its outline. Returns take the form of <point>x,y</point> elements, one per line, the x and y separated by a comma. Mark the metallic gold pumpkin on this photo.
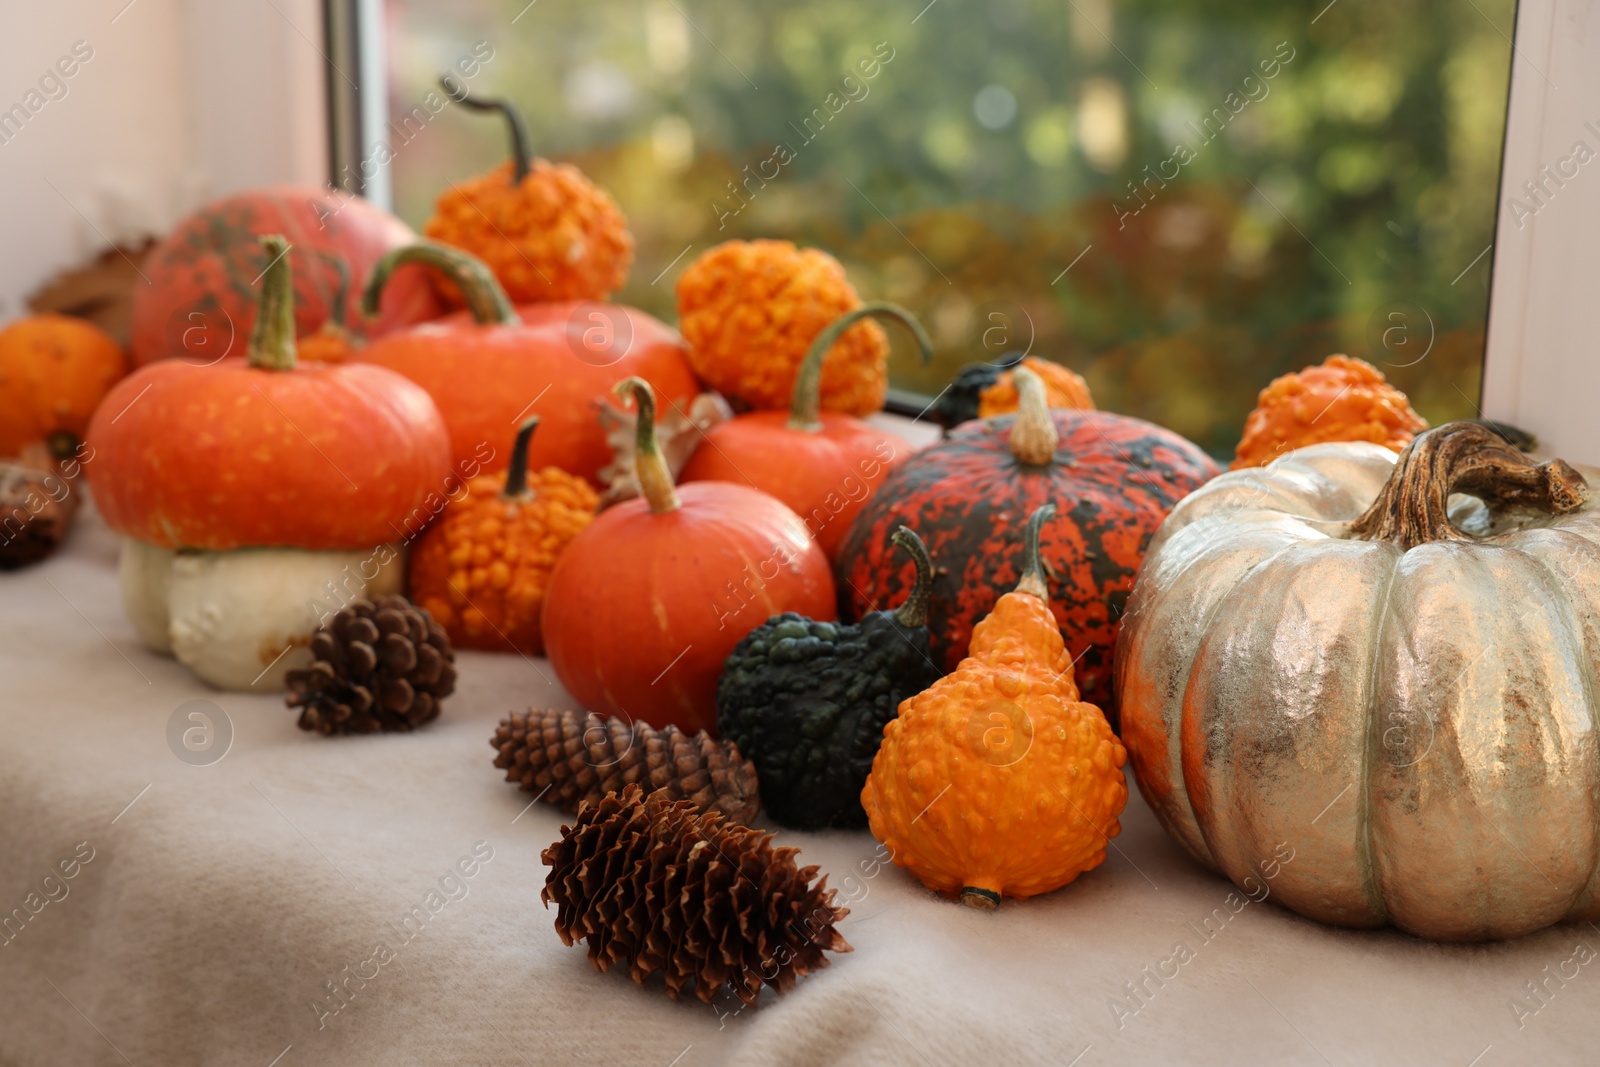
<point>1328,653</point>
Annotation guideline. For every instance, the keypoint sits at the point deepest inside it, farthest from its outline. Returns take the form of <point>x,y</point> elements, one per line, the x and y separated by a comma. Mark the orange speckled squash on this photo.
<point>998,781</point>
<point>751,309</point>
<point>546,230</point>
<point>648,601</point>
<point>822,464</point>
<point>200,304</point>
<point>491,369</point>
<point>265,452</point>
<point>483,568</point>
<point>1343,399</point>
<point>54,371</point>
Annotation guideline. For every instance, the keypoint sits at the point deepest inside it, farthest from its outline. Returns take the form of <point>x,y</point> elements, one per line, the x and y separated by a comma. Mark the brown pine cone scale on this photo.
<point>568,757</point>
<point>377,665</point>
<point>651,883</point>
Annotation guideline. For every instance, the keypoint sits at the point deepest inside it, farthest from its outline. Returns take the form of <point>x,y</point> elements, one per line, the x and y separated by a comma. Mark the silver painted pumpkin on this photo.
<point>1332,652</point>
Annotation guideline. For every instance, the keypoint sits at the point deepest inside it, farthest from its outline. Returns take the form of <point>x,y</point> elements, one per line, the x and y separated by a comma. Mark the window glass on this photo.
<point>1179,201</point>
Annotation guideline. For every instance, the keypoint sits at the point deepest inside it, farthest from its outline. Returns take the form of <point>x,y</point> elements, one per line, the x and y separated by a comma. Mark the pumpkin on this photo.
<point>750,311</point>
<point>807,701</point>
<point>1034,774</point>
<point>264,452</point>
<point>546,231</point>
<point>822,464</point>
<point>200,303</point>
<point>54,371</point>
<point>243,619</point>
<point>1344,399</point>
<point>649,599</point>
<point>1113,477</point>
<point>482,569</point>
<point>490,370</point>
<point>1324,655</point>
<point>980,390</point>
<point>259,495</point>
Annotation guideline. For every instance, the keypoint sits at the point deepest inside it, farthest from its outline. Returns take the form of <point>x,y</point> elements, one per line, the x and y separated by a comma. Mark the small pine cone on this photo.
<point>631,878</point>
<point>382,665</point>
<point>572,756</point>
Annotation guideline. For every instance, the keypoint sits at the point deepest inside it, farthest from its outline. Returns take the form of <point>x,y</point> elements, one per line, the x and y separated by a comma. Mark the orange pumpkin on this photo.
<point>750,310</point>
<point>200,303</point>
<point>1343,399</point>
<point>648,601</point>
<point>54,371</point>
<point>489,371</point>
<point>1034,775</point>
<point>822,464</point>
<point>483,568</point>
<point>262,452</point>
<point>546,231</point>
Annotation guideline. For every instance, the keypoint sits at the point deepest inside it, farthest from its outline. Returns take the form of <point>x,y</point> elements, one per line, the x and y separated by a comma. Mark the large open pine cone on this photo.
<point>568,757</point>
<point>662,887</point>
<point>381,665</point>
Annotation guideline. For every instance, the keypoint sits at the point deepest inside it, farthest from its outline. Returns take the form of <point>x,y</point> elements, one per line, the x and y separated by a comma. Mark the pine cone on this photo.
<point>631,878</point>
<point>37,501</point>
<point>381,665</point>
<point>572,756</point>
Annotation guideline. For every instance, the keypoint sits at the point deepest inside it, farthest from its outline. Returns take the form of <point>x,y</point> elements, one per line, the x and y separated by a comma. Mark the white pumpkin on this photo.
<point>242,619</point>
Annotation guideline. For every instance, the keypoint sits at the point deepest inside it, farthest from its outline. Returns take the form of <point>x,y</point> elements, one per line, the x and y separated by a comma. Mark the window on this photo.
<point>1179,201</point>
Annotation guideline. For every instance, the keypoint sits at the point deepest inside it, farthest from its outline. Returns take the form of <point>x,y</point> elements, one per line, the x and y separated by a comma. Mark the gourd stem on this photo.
<point>805,402</point>
<point>517,469</point>
<point>1033,428</point>
<point>1462,457</point>
<point>913,612</point>
<point>655,477</point>
<point>272,338</point>
<point>519,133</point>
<point>982,899</point>
<point>336,315</point>
<point>486,299</point>
<point>1033,582</point>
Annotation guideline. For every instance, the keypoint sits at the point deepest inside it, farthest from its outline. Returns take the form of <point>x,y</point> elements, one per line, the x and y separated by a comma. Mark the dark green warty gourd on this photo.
<point>807,701</point>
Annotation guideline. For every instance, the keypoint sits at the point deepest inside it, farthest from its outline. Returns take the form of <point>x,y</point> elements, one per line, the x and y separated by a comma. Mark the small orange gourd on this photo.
<point>1063,388</point>
<point>54,370</point>
<point>997,780</point>
<point>483,568</point>
<point>1341,399</point>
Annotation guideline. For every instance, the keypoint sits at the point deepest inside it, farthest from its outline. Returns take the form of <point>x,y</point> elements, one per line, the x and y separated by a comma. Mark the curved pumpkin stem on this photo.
<point>1033,430</point>
<point>655,477</point>
<point>486,299</point>
<point>1032,581</point>
<point>1462,457</point>
<point>805,402</point>
<point>913,611</point>
<point>518,132</point>
<point>517,469</point>
<point>272,339</point>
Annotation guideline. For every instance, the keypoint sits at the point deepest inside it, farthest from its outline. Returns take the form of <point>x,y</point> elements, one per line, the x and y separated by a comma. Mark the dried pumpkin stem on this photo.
<point>1462,457</point>
<point>517,469</point>
<point>982,899</point>
<point>655,477</point>
<point>913,612</point>
<point>1033,581</point>
<point>1033,429</point>
<point>805,402</point>
<point>486,299</point>
<point>272,338</point>
<point>518,132</point>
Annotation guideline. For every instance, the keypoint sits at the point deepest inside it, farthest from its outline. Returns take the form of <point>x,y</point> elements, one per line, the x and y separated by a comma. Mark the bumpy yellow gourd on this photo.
<point>998,781</point>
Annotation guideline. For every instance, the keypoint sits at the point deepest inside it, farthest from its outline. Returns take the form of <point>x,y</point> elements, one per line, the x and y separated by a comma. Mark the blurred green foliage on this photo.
<point>1334,206</point>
